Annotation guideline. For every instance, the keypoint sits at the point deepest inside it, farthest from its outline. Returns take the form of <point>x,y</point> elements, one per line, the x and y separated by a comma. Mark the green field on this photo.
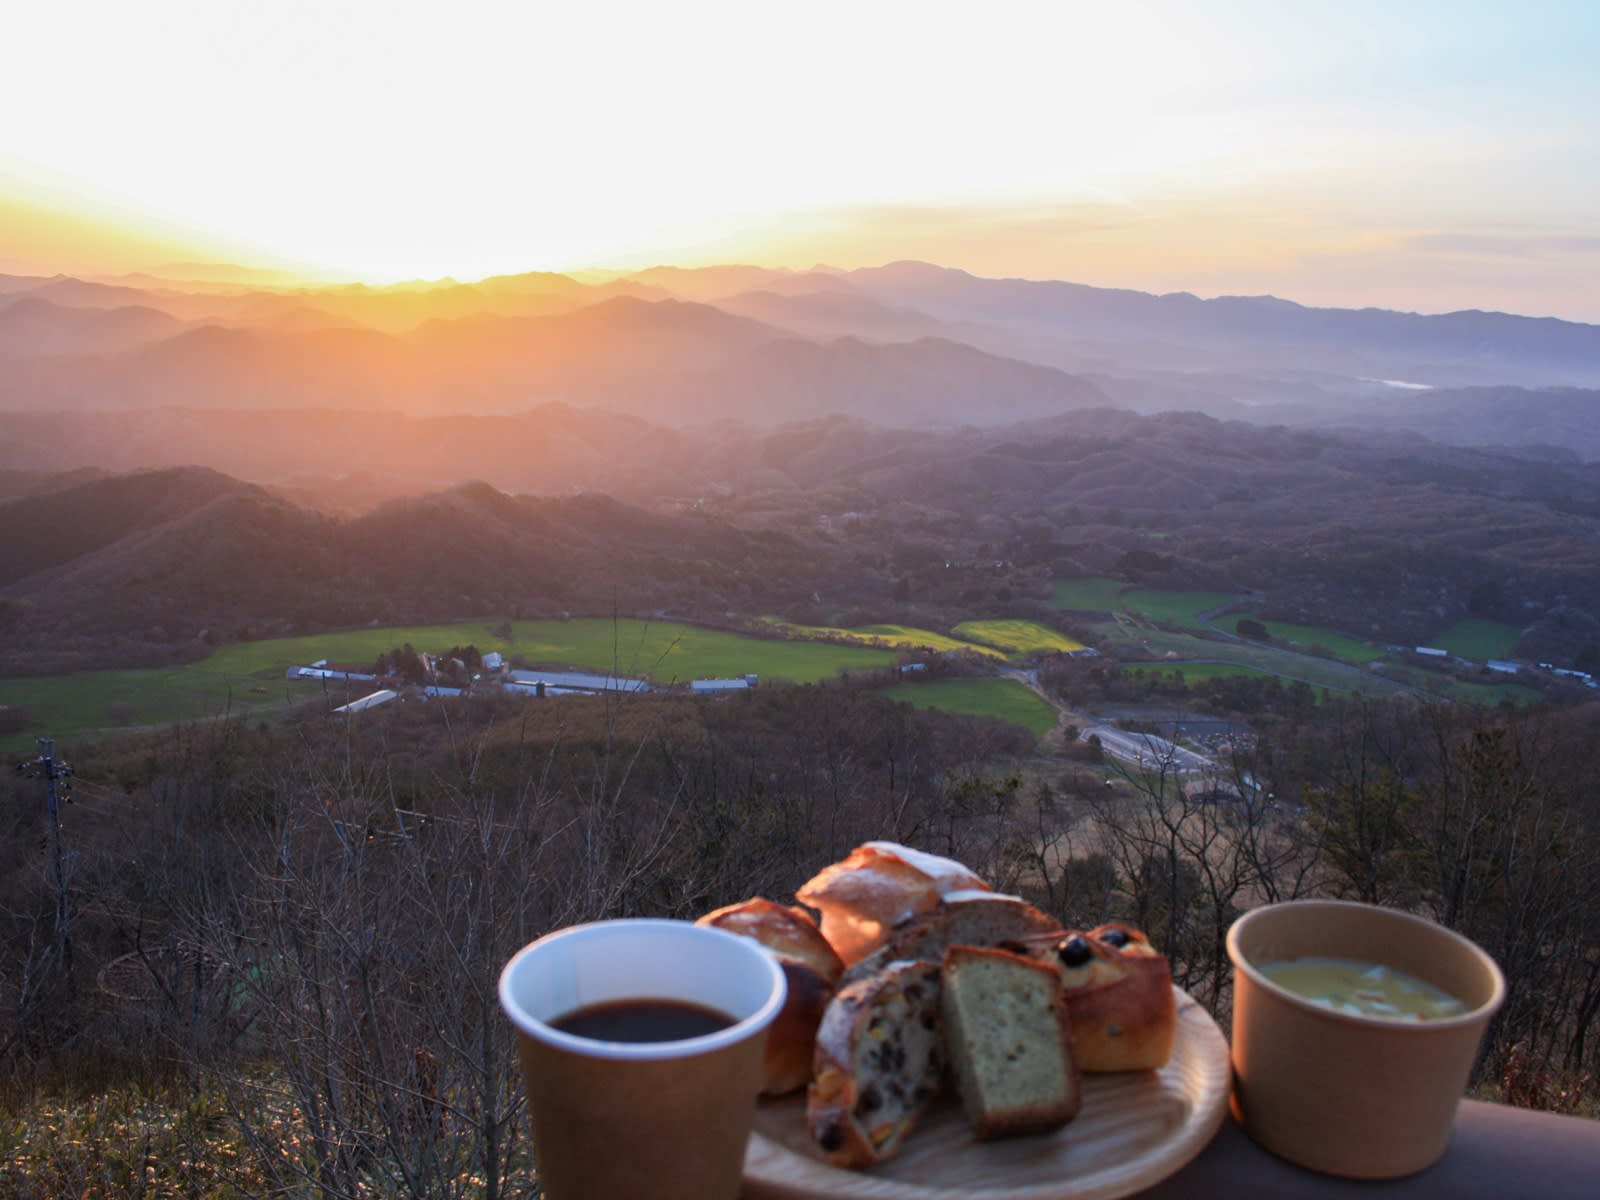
<point>250,675</point>
<point>1306,637</point>
<point>1017,638</point>
<point>1463,691</point>
<point>1003,698</point>
<point>902,637</point>
<point>63,705</point>
<point>1108,595</point>
<point>1175,608</point>
<point>1088,595</point>
<point>663,651</point>
<point>1186,647</point>
<point>1477,639</point>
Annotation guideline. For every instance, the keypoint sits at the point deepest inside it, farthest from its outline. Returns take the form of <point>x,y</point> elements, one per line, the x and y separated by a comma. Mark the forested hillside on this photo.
<point>275,955</point>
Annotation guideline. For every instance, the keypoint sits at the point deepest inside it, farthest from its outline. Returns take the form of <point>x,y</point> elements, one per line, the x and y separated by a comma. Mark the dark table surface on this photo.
<point>1496,1151</point>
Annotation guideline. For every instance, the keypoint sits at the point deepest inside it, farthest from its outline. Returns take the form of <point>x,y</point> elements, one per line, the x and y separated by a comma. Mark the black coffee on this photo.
<point>642,1021</point>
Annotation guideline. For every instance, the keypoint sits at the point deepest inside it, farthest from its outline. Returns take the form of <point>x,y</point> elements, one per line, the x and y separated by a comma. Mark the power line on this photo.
<point>57,776</point>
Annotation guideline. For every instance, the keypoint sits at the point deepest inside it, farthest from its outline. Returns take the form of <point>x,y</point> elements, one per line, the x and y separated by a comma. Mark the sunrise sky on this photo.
<point>1428,156</point>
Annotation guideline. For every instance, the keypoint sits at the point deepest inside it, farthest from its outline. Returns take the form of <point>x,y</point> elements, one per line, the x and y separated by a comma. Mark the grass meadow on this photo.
<point>64,705</point>
<point>1175,608</point>
<point>1003,698</point>
<point>1313,637</point>
<point>1477,639</point>
<point>249,676</point>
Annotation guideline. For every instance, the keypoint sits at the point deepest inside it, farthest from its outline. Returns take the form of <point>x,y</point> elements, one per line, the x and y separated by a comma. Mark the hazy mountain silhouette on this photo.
<point>672,361</point>
<point>1181,328</point>
<point>16,482</point>
<point>31,325</point>
<point>713,283</point>
<point>837,314</point>
<point>905,344</point>
<point>931,382</point>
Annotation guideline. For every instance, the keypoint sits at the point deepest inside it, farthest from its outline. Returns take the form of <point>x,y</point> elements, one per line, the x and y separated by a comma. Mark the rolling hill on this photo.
<point>153,566</point>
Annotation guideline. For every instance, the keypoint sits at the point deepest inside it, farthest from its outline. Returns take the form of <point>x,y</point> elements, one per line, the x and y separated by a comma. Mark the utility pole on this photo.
<point>57,777</point>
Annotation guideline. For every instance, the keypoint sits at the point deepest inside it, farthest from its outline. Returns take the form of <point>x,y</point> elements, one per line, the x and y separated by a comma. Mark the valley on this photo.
<point>470,473</point>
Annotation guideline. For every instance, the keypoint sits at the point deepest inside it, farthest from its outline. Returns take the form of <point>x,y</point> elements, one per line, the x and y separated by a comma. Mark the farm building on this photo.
<point>372,700</point>
<point>704,686</point>
<point>540,688</point>
<point>1582,677</point>
<point>579,681</point>
<point>327,673</point>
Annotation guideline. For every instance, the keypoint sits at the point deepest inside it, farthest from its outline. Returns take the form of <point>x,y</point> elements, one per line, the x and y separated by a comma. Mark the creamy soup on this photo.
<point>1363,989</point>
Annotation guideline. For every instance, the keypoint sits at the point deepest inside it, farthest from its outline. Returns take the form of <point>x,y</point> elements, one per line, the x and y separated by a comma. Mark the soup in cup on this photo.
<point>1327,1072</point>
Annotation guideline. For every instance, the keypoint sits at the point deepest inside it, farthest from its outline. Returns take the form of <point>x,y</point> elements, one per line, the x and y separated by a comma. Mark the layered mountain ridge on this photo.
<point>908,344</point>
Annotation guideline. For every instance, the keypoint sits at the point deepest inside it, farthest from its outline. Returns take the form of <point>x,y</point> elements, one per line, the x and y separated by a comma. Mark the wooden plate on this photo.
<point>1134,1130</point>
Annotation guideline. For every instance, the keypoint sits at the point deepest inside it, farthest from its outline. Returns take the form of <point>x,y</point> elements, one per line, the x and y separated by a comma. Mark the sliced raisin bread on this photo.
<point>1009,1041</point>
<point>880,1061</point>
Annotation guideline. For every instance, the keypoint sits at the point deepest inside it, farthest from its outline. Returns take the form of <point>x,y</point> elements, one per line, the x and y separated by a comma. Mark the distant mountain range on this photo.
<point>1182,331</point>
<point>908,344</point>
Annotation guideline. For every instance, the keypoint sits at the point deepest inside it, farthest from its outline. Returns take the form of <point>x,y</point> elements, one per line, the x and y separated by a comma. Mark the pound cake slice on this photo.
<point>1010,1042</point>
<point>880,1061</point>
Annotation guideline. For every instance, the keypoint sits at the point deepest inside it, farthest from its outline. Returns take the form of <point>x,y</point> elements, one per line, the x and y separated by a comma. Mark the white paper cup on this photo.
<point>667,1120</point>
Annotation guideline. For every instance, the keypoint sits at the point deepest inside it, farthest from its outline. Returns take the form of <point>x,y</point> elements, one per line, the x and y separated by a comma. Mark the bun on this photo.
<point>1119,997</point>
<point>810,969</point>
<point>1010,1042</point>
<point>879,1063</point>
<point>965,919</point>
<point>881,884</point>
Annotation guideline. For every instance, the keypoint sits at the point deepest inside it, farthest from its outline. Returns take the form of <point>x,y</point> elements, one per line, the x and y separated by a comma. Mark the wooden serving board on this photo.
<point>1134,1130</point>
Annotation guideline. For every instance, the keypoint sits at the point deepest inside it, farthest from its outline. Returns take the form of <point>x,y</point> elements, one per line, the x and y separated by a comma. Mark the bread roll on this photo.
<point>1119,997</point>
<point>878,886</point>
<point>961,918</point>
<point>810,968</point>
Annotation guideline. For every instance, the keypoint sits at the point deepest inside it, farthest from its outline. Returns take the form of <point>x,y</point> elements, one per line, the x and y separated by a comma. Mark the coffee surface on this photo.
<point>642,1020</point>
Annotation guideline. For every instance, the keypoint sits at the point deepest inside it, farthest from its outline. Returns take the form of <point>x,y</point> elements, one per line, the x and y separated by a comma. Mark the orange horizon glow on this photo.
<point>1329,154</point>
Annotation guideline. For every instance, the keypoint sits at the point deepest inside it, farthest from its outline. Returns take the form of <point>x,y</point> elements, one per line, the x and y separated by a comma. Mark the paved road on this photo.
<point>1148,750</point>
<point>1140,749</point>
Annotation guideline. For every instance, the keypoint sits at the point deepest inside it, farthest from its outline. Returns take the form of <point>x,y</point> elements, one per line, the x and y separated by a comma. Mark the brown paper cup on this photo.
<point>667,1120</point>
<point>1351,1095</point>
